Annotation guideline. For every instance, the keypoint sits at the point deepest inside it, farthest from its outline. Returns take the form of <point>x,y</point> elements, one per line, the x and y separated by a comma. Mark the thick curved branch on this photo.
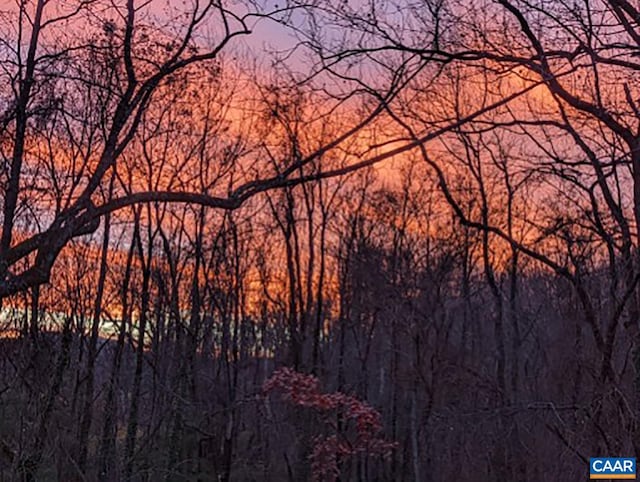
<point>74,223</point>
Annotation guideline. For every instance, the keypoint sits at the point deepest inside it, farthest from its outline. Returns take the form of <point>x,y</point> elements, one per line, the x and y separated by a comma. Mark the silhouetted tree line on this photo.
<point>207,271</point>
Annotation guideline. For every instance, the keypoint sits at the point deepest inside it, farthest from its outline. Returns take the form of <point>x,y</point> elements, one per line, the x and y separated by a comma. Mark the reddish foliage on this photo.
<point>304,391</point>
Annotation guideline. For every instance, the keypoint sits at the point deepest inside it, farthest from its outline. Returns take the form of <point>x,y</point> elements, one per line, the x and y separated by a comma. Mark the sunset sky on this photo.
<point>319,240</point>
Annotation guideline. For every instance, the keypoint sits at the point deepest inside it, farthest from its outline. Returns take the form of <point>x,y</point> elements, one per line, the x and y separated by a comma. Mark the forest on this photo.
<point>318,240</point>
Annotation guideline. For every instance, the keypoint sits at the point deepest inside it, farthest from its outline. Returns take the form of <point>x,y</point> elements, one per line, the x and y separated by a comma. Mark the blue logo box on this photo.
<point>612,468</point>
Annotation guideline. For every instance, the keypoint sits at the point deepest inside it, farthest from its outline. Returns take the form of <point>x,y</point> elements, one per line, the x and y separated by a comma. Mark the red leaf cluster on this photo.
<point>304,391</point>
